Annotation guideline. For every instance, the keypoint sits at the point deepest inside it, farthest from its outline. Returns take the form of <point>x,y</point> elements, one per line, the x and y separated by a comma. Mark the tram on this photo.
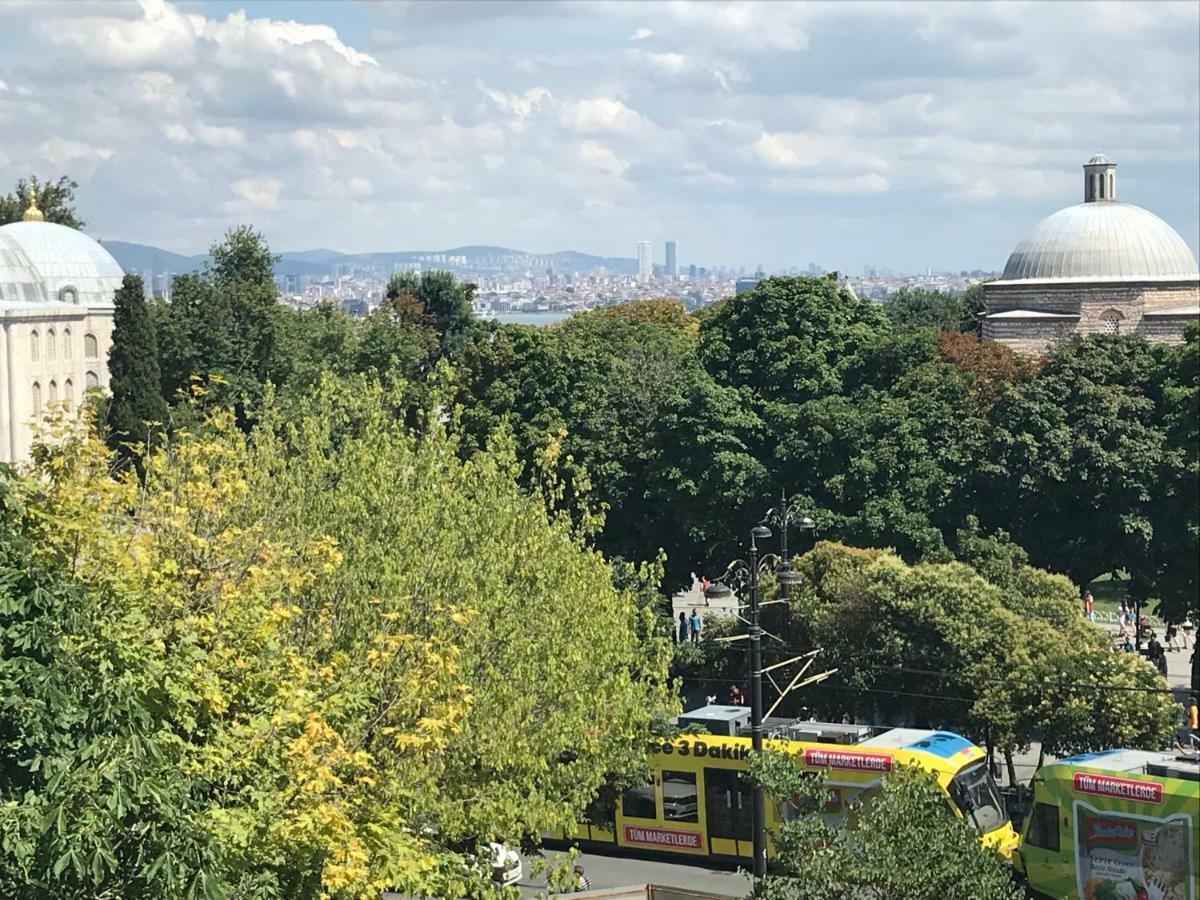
<point>699,800</point>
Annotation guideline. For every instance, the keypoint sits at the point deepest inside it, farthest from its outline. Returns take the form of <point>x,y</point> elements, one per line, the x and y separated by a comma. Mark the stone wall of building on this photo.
<point>1095,303</point>
<point>1031,337</point>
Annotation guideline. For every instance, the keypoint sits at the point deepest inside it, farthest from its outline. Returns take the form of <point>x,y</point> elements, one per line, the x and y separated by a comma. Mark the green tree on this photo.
<point>136,412</point>
<point>439,301</point>
<point>92,798</point>
<point>922,308</point>
<point>56,200</point>
<point>1006,663</point>
<point>1075,456</point>
<point>370,651</point>
<point>904,841</point>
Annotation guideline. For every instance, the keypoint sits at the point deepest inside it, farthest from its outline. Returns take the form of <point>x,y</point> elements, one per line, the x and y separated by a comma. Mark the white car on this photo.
<point>506,864</point>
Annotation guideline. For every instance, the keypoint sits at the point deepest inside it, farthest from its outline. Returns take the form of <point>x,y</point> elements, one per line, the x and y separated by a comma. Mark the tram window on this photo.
<point>680,803</point>
<point>728,803</point>
<point>638,803</point>
<point>602,810</point>
<point>1043,827</point>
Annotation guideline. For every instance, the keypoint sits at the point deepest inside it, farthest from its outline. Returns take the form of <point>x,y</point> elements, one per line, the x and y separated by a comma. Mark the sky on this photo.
<point>900,135</point>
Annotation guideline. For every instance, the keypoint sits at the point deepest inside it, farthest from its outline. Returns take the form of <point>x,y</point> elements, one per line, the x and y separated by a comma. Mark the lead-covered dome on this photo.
<point>19,280</point>
<point>72,267</point>
<point>1101,241</point>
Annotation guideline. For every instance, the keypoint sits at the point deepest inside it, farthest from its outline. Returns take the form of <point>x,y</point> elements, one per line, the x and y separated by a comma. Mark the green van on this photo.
<point>1114,825</point>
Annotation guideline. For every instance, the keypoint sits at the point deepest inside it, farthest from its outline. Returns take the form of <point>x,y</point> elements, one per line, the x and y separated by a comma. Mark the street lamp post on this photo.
<point>745,575</point>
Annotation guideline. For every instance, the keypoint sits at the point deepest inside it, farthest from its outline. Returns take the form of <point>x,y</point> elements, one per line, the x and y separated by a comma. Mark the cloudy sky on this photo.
<point>901,135</point>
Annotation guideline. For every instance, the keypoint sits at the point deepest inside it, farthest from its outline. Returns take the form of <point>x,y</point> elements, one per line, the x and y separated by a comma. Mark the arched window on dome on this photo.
<point>1111,322</point>
<point>35,346</point>
<point>69,393</point>
<point>51,349</point>
<point>52,392</point>
<point>91,381</point>
<point>89,346</point>
<point>37,398</point>
<point>66,343</point>
<point>68,294</point>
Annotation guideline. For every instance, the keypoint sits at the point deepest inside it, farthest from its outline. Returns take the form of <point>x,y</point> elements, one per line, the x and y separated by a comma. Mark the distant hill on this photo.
<point>313,256</point>
<point>138,258</point>
<point>468,260</point>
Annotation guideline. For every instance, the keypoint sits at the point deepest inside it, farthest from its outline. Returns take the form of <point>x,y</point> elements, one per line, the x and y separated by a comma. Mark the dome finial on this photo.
<point>32,213</point>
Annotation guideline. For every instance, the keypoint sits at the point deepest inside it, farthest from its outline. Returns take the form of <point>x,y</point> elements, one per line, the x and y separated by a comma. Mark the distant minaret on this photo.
<point>1099,179</point>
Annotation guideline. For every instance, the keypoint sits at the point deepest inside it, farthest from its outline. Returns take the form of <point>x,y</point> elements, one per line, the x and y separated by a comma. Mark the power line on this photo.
<point>995,679</point>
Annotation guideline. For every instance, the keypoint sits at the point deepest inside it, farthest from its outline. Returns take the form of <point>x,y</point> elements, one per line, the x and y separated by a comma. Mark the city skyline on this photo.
<point>738,131</point>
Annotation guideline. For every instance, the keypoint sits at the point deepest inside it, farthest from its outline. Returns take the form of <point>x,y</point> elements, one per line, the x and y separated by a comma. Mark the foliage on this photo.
<point>665,312</point>
<point>1074,457</point>
<point>903,841</point>
<point>912,307</point>
<point>1006,662</point>
<point>136,412</point>
<point>361,651</point>
<point>56,200</point>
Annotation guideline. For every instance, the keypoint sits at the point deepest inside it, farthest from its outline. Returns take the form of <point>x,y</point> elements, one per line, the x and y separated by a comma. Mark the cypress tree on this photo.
<point>137,410</point>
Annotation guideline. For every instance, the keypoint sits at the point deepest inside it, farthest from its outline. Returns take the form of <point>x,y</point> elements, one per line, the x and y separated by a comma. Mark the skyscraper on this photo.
<point>645,260</point>
<point>672,269</point>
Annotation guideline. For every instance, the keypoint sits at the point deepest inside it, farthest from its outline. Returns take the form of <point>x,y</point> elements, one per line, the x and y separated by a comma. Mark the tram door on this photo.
<point>728,800</point>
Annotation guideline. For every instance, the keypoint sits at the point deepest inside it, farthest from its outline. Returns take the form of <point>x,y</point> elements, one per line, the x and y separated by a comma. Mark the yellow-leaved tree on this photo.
<point>366,651</point>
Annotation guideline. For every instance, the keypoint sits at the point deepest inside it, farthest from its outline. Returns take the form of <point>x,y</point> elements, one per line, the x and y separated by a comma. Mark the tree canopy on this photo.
<point>346,650</point>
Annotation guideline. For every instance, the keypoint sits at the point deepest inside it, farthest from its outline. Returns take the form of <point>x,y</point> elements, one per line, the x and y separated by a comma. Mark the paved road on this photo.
<point>615,871</point>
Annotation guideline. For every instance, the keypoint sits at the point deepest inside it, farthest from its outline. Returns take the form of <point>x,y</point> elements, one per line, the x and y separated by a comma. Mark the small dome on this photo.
<point>73,267</point>
<point>19,280</point>
<point>1102,241</point>
<point>1099,160</point>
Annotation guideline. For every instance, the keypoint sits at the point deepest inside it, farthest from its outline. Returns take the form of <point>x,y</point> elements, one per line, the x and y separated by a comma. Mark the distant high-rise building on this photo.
<point>692,271</point>
<point>645,261</point>
<point>745,284</point>
<point>672,268</point>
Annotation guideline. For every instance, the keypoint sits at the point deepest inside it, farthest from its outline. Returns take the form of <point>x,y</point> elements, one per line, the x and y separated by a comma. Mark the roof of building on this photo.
<point>1030,314</point>
<point>19,279</point>
<point>1188,309</point>
<point>69,265</point>
<point>1100,160</point>
<point>1102,241</point>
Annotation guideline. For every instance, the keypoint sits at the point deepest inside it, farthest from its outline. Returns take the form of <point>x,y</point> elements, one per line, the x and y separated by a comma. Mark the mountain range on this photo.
<point>474,260</point>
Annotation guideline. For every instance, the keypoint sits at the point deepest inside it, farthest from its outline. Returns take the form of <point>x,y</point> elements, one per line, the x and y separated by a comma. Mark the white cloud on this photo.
<point>600,115</point>
<point>602,158</point>
<point>261,193</point>
<point>641,34</point>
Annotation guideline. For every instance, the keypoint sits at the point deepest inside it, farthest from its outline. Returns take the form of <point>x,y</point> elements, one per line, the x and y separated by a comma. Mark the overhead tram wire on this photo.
<point>999,680</point>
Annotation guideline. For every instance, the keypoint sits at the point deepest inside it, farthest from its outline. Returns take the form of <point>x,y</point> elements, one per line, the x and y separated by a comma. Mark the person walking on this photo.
<point>1171,636</point>
<point>1089,606</point>
<point>683,628</point>
<point>1123,616</point>
<point>695,626</point>
<point>1160,662</point>
<point>1193,719</point>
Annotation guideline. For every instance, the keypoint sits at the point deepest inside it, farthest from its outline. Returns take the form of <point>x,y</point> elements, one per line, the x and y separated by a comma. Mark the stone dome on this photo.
<point>1102,240</point>
<point>19,280</point>
<point>72,267</point>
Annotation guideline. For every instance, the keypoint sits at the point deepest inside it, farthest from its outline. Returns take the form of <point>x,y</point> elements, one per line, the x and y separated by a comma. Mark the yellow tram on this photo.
<point>699,803</point>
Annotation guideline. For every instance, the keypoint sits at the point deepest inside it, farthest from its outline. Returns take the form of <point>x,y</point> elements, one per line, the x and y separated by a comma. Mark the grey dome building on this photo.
<point>1099,266</point>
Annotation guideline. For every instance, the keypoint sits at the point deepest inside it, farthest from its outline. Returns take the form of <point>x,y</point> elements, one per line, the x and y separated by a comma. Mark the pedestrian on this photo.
<point>735,696</point>
<point>695,625</point>
<point>705,584</point>
<point>582,883</point>
<point>1172,633</point>
<point>1194,718</point>
<point>1123,616</point>
<point>1185,632</point>
<point>683,628</point>
<point>1160,662</point>
<point>1089,607</point>
<point>1154,648</point>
